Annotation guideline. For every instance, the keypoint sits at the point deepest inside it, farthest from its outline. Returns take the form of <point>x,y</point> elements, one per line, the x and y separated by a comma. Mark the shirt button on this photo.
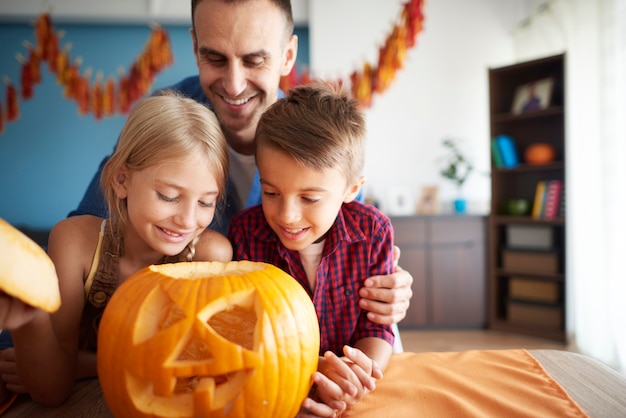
<point>100,297</point>
<point>348,292</point>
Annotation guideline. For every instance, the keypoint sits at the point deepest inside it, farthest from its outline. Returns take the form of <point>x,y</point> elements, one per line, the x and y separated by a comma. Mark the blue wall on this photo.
<point>50,154</point>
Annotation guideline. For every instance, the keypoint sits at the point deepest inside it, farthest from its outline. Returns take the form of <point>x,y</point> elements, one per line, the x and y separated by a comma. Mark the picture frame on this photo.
<point>535,95</point>
<point>428,203</point>
<point>400,201</point>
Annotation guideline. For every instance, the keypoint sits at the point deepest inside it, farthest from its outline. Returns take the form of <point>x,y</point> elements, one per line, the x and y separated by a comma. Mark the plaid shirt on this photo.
<point>359,245</point>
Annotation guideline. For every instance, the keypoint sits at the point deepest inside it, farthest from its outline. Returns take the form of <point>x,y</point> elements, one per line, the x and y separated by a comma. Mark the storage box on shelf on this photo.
<point>529,289</point>
<point>526,253</point>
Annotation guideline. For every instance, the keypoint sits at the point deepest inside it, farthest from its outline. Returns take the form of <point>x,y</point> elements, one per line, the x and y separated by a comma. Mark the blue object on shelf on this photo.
<point>508,151</point>
<point>460,206</point>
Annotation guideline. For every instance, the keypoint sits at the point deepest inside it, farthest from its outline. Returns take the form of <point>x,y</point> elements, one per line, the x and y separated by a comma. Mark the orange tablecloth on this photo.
<point>506,383</point>
<point>476,383</point>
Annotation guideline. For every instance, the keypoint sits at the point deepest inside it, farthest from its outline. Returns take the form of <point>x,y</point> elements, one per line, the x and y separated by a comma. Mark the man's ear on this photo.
<point>120,183</point>
<point>291,53</point>
<point>353,189</point>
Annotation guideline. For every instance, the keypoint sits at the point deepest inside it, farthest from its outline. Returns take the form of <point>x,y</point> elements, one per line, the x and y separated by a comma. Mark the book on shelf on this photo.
<point>562,203</point>
<point>540,193</point>
<point>552,199</point>
<point>549,200</point>
<point>508,151</point>
<point>495,154</point>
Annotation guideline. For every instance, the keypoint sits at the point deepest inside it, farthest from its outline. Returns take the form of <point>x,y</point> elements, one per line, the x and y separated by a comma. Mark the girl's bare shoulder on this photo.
<point>213,246</point>
<point>77,227</point>
<point>78,235</point>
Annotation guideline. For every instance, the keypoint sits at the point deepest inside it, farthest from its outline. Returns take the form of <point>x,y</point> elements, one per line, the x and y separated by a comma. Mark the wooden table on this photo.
<point>86,401</point>
<point>425,384</point>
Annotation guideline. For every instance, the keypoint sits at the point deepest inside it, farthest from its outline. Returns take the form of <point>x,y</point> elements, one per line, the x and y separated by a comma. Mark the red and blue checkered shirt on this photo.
<point>359,245</point>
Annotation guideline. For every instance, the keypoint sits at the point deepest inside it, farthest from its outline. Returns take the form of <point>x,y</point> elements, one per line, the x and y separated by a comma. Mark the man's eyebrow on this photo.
<point>260,53</point>
<point>263,53</point>
<point>203,50</point>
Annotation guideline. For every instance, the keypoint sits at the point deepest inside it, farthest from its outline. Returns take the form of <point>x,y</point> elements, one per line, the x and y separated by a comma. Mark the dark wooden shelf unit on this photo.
<point>540,310</point>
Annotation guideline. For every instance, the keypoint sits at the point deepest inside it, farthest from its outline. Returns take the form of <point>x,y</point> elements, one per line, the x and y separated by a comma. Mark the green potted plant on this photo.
<point>456,168</point>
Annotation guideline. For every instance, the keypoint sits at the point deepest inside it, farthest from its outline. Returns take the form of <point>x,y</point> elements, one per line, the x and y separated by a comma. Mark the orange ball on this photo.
<point>539,153</point>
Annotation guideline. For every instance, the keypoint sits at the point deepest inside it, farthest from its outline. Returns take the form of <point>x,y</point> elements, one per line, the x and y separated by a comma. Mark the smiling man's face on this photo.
<point>241,50</point>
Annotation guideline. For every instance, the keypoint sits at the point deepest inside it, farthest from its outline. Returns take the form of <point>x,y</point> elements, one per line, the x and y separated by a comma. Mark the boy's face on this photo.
<point>301,203</point>
<point>241,53</point>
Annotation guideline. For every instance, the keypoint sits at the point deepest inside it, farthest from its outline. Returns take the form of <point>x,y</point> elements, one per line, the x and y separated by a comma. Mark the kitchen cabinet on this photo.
<point>446,257</point>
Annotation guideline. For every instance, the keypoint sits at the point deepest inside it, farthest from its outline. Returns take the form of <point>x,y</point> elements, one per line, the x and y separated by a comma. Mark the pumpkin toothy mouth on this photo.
<point>217,391</point>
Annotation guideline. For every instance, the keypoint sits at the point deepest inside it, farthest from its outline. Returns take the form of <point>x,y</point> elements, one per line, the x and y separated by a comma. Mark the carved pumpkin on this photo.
<point>209,339</point>
<point>539,153</point>
<point>26,271</point>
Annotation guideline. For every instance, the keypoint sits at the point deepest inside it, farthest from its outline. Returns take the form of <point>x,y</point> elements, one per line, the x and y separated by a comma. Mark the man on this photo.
<point>242,48</point>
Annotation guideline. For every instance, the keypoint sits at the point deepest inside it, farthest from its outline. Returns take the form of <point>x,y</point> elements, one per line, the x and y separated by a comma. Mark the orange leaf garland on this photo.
<point>102,99</point>
<point>13,105</point>
<point>83,92</point>
<point>391,57</point>
<point>43,32</point>
<point>62,63</point>
<point>96,97</point>
<point>26,78</point>
<point>108,97</point>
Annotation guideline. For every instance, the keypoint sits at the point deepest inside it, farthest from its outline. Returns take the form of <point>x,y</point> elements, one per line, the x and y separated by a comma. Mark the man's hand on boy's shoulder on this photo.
<point>387,298</point>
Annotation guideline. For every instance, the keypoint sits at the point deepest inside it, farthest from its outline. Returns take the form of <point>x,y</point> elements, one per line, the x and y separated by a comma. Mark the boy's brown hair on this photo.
<point>319,125</point>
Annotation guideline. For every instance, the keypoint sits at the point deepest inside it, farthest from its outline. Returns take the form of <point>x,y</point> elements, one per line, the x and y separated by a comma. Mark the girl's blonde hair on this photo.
<point>159,129</point>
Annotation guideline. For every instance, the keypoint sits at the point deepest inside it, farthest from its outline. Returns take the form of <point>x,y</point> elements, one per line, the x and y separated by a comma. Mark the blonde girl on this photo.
<point>162,186</point>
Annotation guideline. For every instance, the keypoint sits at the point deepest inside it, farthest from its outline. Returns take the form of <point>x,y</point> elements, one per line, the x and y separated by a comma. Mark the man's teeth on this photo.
<point>237,102</point>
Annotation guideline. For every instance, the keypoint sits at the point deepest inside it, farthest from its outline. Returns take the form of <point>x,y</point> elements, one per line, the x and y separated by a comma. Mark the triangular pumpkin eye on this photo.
<point>158,312</point>
<point>236,325</point>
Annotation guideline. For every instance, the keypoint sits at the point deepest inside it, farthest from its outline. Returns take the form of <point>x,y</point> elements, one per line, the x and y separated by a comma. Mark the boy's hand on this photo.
<point>340,382</point>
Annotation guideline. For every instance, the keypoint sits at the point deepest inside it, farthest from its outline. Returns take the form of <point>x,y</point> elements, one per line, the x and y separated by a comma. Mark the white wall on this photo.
<point>115,11</point>
<point>442,91</point>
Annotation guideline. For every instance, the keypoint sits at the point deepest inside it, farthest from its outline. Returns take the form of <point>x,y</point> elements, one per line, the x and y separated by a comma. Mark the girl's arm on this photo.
<point>86,365</point>
<point>46,348</point>
<point>14,312</point>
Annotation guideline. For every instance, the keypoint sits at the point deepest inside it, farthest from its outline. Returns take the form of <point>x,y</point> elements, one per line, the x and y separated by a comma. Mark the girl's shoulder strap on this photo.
<point>96,260</point>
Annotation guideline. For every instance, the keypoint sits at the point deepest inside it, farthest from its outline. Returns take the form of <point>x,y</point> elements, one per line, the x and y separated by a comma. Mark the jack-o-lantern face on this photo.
<point>208,339</point>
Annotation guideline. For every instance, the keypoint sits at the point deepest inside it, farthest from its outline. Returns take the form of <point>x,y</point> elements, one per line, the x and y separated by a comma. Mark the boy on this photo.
<point>310,151</point>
